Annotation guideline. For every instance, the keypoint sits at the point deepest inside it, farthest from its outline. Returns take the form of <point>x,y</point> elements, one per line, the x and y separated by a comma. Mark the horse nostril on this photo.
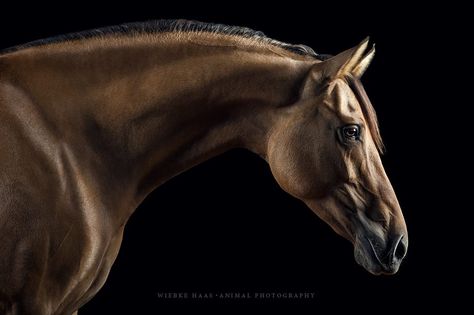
<point>400,249</point>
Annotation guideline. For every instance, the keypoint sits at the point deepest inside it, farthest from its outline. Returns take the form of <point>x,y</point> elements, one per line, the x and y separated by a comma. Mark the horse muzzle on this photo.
<point>379,256</point>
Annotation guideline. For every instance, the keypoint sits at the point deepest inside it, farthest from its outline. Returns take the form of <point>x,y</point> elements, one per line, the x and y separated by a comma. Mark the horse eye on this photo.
<point>351,132</point>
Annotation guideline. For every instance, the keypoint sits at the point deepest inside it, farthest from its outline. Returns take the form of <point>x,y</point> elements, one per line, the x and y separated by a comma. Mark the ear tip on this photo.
<point>372,50</point>
<point>365,42</point>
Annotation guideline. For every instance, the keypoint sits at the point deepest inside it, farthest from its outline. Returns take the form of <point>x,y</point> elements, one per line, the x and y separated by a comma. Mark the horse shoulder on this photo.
<point>54,236</point>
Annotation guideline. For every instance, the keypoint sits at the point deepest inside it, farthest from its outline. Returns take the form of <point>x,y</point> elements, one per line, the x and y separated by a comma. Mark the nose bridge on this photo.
<point>388,198</point>
<point>376,181</point>
<point>386,203</point>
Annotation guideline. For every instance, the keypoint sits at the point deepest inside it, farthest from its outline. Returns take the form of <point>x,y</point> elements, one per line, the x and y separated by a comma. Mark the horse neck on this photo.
<point>206,105</point>
<point>152,111</point>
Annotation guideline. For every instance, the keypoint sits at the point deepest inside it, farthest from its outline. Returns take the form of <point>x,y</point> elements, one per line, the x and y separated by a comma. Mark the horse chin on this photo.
<point>366,257</point>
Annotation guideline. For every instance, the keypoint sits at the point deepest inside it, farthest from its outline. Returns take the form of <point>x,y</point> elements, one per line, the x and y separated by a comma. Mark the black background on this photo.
<point>226,226</point>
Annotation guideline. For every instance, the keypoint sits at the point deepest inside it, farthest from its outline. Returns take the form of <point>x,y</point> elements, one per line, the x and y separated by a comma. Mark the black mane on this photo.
<point>162,26</point>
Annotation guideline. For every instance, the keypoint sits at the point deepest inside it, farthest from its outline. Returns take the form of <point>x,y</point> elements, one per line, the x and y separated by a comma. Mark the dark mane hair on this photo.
<point>163,26</point>
<point>368,111</point>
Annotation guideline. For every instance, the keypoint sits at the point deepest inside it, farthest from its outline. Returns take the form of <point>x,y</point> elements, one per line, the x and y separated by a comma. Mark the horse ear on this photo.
<point>364,63</point>
<point>348,61</point>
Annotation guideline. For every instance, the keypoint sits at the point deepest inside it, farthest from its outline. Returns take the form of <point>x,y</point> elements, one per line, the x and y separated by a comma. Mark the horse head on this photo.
<point>325,150</point>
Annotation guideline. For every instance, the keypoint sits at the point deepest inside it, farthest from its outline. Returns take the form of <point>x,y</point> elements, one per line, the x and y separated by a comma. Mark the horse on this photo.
<point>92,122</point>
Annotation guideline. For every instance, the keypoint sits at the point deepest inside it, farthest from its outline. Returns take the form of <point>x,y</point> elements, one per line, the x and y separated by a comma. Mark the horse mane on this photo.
<point>166,26</point>
<point>368,111</point>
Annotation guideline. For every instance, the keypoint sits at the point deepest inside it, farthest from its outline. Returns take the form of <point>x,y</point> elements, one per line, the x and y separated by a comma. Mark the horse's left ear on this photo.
<point>353,61</point>
<point>364,63</point>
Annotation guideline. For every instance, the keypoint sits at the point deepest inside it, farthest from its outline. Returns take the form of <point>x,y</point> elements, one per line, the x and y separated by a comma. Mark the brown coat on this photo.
<point>88,127</point>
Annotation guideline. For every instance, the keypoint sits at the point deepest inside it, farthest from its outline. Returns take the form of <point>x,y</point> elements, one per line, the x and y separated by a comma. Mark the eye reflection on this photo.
<point>351,132</point>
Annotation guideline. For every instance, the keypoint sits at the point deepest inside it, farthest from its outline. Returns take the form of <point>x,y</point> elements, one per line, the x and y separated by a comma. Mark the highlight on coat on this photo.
<point>92,122</point>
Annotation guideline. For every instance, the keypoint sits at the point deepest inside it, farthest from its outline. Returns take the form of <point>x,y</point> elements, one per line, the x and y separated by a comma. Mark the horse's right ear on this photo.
<point>350,61</point>
<point>345,62</point>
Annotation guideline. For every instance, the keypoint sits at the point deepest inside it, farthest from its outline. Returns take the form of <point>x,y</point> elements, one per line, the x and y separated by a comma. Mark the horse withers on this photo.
<point>90,123</point>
